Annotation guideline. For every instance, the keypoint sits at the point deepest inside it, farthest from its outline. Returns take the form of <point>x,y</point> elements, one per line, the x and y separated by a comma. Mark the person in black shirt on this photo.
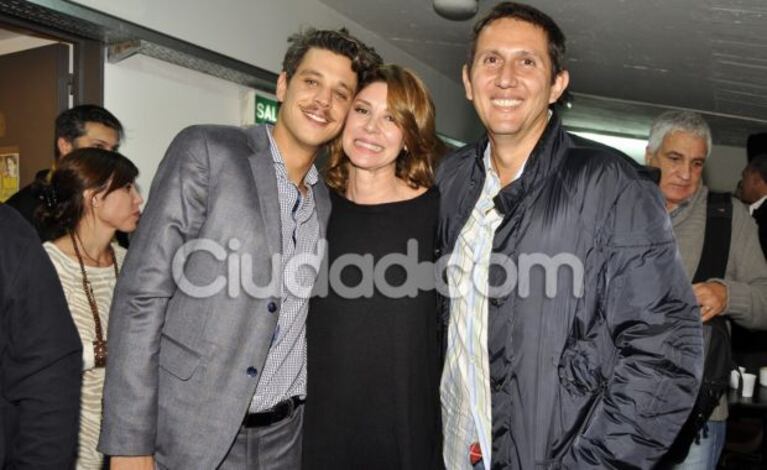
<point>373,358</point>
<point>82,126</point>
<point>750,347</point>
<point>753,191</point>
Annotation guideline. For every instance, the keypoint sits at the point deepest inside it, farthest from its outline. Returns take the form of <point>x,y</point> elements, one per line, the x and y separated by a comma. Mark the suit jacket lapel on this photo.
<point>266,186</point>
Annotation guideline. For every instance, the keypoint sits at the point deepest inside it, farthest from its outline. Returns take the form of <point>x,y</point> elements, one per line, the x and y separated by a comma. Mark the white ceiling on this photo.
<point>628,59</point>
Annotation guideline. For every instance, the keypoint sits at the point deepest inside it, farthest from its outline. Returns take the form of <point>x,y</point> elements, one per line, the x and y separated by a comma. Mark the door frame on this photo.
<point>87,78</point>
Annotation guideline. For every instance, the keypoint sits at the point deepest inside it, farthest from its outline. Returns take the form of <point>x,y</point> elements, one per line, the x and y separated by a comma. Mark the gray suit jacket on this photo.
<point>182,370</point>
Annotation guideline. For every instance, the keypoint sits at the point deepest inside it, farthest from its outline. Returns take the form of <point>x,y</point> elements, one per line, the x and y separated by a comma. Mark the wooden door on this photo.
<point>34,89</point>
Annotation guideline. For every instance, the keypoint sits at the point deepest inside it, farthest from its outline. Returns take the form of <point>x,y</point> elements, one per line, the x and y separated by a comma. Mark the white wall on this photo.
<point>254,31</point>
<point>723,167</point>
<point>154,100</point>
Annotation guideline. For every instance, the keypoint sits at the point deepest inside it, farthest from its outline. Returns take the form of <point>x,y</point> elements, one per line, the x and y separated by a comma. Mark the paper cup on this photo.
<point>749,380</point>
<point>734,379</point>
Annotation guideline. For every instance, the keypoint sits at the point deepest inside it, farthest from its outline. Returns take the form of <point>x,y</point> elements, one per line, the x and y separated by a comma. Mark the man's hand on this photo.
<point>137,462</point>
<point>712,298</point>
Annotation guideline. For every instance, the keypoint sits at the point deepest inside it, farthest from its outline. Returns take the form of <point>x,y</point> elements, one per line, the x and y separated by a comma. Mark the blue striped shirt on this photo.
<point>465,386</point>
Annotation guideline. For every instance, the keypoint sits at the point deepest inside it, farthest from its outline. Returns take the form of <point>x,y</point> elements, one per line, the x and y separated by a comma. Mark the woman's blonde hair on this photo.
<point>411,106</point>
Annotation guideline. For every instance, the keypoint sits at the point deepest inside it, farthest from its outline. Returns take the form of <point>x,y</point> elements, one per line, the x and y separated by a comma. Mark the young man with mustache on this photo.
<point>217,380</point>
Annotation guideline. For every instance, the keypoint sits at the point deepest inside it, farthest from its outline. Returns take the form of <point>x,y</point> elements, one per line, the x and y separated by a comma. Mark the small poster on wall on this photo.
<point>9,174</point>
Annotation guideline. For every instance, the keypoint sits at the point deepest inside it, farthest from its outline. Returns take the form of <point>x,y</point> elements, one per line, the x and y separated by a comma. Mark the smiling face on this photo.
<point>680,159</point>
<point>372,139</point>
<point>510,80</point>
<point>314,102</point>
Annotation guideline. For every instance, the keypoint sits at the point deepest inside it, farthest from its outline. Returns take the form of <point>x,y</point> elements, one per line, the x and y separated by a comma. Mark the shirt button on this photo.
<point>272,307</point>
<point>252,371</point>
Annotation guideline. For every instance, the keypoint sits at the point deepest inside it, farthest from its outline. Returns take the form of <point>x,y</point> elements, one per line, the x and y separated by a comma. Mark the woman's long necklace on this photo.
<point>100,344</point>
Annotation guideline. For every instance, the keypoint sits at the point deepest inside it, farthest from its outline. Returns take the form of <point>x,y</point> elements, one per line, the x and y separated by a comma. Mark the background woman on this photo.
<point>373,362</point>
<point>90,196</point>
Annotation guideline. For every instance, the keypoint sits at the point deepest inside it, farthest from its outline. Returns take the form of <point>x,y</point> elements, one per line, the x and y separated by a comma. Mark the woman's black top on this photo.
<point>373,360</point>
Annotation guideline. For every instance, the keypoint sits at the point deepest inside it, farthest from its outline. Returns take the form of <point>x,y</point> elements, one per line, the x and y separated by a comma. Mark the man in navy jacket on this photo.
<point>574,339</point>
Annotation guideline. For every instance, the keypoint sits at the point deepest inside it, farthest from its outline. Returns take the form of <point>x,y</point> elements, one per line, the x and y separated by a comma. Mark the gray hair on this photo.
<point>674,121</point>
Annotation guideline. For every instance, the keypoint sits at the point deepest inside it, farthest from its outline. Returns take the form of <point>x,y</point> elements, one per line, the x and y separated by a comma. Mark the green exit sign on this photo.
<point>266,110</point>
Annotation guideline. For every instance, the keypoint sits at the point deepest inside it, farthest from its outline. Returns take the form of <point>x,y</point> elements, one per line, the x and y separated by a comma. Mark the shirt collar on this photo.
<point>488,162</point>
<point>311,177</point>
<point>488,152</point>
<point>757,204</point>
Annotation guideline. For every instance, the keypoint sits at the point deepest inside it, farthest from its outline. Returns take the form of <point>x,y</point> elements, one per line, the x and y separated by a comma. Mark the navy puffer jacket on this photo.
<point>601,380</point>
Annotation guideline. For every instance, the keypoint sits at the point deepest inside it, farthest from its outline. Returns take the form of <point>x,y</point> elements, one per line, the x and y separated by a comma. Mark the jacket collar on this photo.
<point>545,159</point>
<point>263,167</point>
<point>265,185</point>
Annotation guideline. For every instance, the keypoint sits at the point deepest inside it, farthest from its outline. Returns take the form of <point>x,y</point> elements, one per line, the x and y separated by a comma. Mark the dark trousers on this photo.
<point>277,446</point>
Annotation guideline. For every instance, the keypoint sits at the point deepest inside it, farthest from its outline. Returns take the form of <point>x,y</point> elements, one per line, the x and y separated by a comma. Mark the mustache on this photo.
<point>315,109</point>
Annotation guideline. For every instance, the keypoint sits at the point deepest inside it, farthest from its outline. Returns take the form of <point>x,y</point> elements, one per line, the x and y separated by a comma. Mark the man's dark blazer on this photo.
<point>40,355</point>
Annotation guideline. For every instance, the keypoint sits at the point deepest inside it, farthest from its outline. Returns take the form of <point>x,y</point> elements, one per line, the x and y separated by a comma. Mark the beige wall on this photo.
<point>21,43</point>
<point>723,167</point>
<point>722,170</point>
<point>155,100</point>
<point>256,32</point>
